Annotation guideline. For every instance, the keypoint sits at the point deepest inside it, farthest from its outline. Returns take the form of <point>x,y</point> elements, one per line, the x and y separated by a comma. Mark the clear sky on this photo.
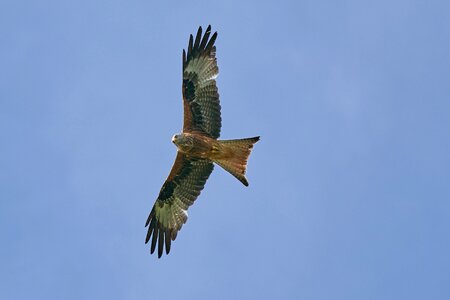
<point>349,194</point>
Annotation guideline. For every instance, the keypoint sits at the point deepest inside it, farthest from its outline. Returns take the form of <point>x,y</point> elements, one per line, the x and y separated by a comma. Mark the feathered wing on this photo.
<point>182,187</point>
<point>200,95</point>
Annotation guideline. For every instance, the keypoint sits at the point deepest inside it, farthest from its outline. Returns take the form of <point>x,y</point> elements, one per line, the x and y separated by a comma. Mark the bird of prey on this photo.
<point>198,147</point>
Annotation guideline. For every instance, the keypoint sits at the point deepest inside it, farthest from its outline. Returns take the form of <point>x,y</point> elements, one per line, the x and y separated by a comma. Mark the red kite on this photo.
<point>198,146</point>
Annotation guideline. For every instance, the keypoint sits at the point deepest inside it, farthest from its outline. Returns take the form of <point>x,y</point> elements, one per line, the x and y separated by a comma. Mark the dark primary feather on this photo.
<point>200,94</point>
<point>181,189</point>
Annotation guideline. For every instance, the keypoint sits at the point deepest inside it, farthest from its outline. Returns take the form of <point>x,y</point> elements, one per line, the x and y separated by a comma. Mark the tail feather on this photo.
<point>233,156</point>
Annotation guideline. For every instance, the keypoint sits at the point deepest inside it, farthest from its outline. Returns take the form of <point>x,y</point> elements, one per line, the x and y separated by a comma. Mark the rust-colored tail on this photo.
<point>233,155</point>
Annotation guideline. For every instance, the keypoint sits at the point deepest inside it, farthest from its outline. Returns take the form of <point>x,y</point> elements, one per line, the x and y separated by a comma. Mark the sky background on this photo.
<point>349,194</point>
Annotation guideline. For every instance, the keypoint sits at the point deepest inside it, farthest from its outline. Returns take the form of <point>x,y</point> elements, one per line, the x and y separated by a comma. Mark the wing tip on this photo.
<point>159,236</point>
<point>200,44</point>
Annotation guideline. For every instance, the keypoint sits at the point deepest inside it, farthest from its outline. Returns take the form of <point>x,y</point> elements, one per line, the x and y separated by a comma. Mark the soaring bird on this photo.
<point>198,147</point>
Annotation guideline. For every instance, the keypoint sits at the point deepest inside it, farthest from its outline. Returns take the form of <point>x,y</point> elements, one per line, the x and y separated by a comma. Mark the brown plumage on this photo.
<point>198,145</point>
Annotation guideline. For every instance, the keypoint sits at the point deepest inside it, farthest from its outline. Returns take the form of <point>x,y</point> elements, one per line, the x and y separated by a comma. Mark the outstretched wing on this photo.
<point>200,96</point>
<point>184,184</point>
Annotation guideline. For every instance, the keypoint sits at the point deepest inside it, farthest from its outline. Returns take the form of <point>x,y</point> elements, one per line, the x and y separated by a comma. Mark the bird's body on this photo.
<point>198,145</point>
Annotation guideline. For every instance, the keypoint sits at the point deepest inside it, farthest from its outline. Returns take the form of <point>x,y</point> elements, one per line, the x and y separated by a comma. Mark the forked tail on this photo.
<point>233,156</point>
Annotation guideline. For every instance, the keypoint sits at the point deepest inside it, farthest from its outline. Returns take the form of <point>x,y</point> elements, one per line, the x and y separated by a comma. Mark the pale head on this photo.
<point>184,142</point>
<point>176,139</point>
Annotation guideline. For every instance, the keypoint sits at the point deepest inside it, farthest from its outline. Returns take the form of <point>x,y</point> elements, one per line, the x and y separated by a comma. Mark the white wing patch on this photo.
<point>169,215</point>
<point>205,68</point>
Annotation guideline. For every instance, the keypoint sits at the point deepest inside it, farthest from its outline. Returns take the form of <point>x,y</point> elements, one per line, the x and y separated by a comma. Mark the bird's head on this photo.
<point>183,142</point>
<point>176,139</point>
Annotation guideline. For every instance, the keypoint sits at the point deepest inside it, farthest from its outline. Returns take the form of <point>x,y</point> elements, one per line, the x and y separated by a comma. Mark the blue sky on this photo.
<point>349,194</point>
